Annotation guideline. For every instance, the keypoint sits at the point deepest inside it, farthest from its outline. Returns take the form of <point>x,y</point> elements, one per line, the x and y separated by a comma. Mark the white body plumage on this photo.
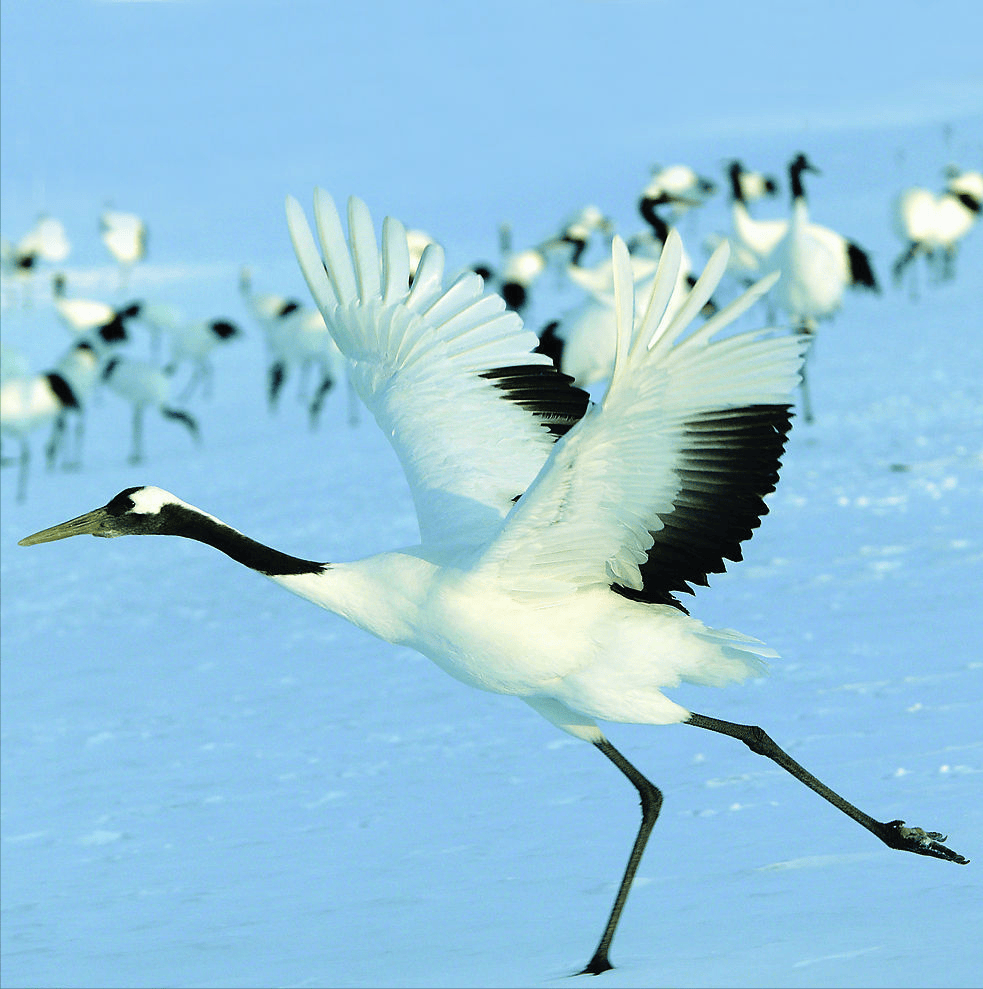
<point>604,657</point>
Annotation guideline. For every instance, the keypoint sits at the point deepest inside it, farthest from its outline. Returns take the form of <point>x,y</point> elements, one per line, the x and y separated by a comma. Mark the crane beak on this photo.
<point>91,524</point>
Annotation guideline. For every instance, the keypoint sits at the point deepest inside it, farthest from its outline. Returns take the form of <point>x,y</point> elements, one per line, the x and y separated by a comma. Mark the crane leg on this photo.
<point>76,462</point>
<point>22,469</point>
<point>277,375</point>
<point>320,393</point>
<point>651,797</point>
<point>894,834</point>
<point>55,441</point>
<point>903,260</point>
<point>136,453</point>
<point>809,333</point>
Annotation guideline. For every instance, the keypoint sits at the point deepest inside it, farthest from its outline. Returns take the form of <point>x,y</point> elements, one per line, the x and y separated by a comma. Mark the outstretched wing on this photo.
<point>449,373</point>
<point>663,480</point>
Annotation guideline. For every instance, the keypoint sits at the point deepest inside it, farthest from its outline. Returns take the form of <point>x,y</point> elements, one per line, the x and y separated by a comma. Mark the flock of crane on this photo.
<point>816,266</point>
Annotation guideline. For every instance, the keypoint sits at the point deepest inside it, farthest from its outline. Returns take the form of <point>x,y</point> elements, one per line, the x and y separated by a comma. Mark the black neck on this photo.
<point>736,190</point>
<point>795,180</point>
<point>659,226</point>
<point>176,520</point>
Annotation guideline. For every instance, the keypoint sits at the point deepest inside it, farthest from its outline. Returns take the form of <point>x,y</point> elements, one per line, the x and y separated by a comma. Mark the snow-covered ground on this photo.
<point>208,783</point>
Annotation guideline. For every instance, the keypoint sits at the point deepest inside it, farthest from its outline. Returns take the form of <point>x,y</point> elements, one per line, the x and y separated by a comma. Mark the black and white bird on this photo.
<point>932,226</point>
<point>79,315</point>
<point>555,534</point>
<point>194,342</point>
<point>26,405</point>
<point>63,391</point>
<point>46,241</point>
<point>292,338</point>
<point>297,339</point>
<point>816,265</point>
<point>803,290</point>
<point>89,317</point>
<point>266,308</point>
<point>682,184</point>
<point>144,386</point>
<point>81,369</point>
<point>751,239</point>
<point>53,398</point>
<point>30,402</point>
<point>303,340</point>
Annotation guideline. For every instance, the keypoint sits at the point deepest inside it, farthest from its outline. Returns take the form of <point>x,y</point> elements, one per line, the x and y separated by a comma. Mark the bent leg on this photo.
<point>651,798</point>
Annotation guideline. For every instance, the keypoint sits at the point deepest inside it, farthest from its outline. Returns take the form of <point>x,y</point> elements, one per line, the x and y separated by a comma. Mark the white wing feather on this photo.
<point>588,517</point>
<point>418,357</point>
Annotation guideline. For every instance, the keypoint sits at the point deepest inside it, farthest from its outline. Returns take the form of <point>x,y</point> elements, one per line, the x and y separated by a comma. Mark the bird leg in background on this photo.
<point>893,833</point>
<point>651,798</point>
<point>314,409</point>
<point>55,441</point>
<point>23,462</point>
<point>136,454</point>
<point>807,331</point>
<point>902,262</point>
<point>277,375</point>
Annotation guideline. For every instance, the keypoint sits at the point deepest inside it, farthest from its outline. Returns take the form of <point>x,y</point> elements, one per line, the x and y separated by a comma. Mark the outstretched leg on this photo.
<point>893,833</point>
<point>651,798</point>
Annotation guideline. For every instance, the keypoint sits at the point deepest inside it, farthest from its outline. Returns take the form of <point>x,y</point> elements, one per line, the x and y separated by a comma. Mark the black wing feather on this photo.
<point>729,464</point>
<point>544,391</point>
